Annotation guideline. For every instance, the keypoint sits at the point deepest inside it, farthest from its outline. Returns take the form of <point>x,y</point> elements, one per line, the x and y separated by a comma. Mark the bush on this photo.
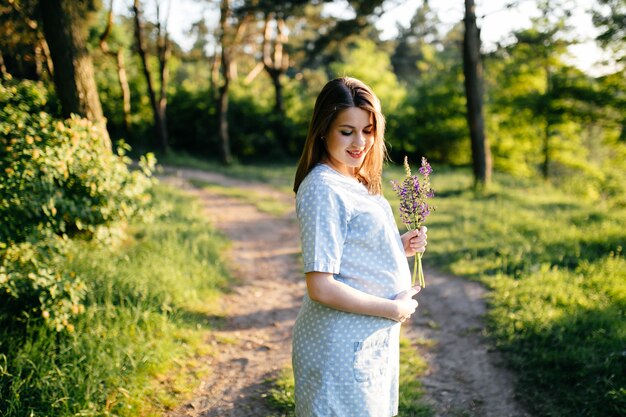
<point>32,288</point>
<point>58,182</point>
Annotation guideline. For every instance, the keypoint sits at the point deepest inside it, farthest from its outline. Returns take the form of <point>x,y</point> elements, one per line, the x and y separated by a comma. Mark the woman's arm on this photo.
<point>325,289</point>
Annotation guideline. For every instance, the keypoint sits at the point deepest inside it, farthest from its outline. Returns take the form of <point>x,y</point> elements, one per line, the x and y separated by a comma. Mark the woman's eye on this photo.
<point>346,132</point>
<point>368,132</point>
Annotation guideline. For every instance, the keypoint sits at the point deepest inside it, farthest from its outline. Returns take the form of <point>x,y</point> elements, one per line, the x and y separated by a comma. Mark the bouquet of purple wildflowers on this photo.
<point>414,209</point>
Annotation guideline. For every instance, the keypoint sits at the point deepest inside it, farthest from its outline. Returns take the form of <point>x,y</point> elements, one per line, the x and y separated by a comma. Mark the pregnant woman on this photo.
<point>346,336</point>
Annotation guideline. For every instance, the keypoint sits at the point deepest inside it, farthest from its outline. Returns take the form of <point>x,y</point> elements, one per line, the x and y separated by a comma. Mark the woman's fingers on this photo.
<point>418,243</point>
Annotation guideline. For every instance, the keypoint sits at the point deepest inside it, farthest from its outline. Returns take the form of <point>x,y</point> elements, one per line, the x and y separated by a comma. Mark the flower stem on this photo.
<point>422,281</point>
<point>414,270</point>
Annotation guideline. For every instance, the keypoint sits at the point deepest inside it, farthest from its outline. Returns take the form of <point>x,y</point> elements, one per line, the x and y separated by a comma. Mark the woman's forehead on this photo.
<point>355,117</point>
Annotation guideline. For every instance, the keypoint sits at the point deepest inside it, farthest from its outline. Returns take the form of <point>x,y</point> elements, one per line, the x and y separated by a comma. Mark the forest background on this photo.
<point>85,88</point>
<point>543,116</point>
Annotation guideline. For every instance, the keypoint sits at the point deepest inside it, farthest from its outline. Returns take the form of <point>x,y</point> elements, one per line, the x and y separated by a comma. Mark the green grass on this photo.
<point>556,268</point>
<point>136,350</point>
<point>279,175</point>
<point>281,396</point>
<point>264,203</point>
<point>412,368</point>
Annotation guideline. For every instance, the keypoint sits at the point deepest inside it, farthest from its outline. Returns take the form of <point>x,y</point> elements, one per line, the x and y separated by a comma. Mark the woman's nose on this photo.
<point>359,139</point>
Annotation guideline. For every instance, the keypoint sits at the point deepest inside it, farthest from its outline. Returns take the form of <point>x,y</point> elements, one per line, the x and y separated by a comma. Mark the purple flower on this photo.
<point>414,209</point>
<point>425,169</point>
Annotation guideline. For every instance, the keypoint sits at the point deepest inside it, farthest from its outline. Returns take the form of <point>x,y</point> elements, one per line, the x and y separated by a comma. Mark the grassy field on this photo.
<point>136,349</point>
<point>555,266</point>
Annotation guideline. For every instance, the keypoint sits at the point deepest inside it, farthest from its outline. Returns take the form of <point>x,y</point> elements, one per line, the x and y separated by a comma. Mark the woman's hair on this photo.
<point>336,96</point>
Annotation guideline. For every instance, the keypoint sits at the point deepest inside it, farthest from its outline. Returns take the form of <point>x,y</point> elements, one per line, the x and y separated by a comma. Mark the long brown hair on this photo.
<point>336,96</point>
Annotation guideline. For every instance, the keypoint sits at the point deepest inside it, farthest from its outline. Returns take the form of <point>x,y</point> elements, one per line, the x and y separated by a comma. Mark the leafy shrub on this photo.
<point>57,175</point>
<point>58,181</point>
<point>32,288</point>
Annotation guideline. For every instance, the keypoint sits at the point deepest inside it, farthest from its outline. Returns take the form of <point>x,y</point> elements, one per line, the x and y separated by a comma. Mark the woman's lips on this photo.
<point>355,154</point>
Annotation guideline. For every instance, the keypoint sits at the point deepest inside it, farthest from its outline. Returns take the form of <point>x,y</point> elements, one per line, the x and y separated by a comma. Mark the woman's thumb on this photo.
<point>410,292</point>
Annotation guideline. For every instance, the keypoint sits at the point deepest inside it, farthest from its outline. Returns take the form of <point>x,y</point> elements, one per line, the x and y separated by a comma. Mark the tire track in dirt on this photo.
<point>465,377</point>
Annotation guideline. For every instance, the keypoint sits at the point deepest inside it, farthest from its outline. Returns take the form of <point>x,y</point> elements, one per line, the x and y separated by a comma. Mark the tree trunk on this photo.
<point>121,69</point>
<point>3,68</point>
<point>276,63</point>
<point>278,90</point>
<point>547,114</point>
<point>46,52</point>
<point>38,62</point>
<point>63,24</point>
<point>123,80</point>
<point>215,74</point>
<point>222,112</point>
<point>159,122</point>
<point>472,69</point>
<point>163,48</point>
<point>222,109</point>
<point>279,111</point>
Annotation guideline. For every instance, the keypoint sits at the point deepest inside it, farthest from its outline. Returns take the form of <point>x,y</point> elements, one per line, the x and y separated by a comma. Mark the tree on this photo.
<point>229,38</point>
<point>472,68</point>
<point>222,107</point>
<point>64,24</point>
<point>366,61</point>
<point>24,52</point>
<point>416,45</point>
<point>276,63</point>
<point>159,105</point>
<point>339,30</point>
<point>122,78</point>
<point>610,17</point>
<point>434,116</point>
<point>548,117</point>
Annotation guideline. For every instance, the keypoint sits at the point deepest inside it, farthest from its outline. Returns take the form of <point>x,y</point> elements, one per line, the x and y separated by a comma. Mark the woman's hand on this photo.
<point>414,241</point>
<point>406,305</point>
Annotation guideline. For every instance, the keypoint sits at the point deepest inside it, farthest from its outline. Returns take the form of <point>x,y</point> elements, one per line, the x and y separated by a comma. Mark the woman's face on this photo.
<point>349,139</point>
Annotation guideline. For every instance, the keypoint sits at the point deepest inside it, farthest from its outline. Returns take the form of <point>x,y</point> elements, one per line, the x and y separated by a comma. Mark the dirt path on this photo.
<point>464,378</point>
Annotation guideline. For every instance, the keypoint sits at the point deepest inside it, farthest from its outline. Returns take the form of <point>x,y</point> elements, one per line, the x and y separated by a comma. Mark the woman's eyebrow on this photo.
<point>352,127</point>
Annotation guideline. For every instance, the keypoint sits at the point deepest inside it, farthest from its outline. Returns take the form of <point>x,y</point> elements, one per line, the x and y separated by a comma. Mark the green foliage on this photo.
<point>137,347</point>
<point>367,63</point>
<point>257,140</point>
<point>58,182</point>
<point>555,267</point>
<point>545,117</point>
<point>192,123</point>
<point>32,288</point>
<point>432,121</point>
<point>57,176</point>
<point>281,396</point>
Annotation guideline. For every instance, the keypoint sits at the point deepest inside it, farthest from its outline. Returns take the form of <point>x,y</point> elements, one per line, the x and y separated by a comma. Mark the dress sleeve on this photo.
<point>323,218</point>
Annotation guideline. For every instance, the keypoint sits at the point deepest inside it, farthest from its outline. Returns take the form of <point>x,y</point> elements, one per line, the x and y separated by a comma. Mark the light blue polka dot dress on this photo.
<point>346,365</point>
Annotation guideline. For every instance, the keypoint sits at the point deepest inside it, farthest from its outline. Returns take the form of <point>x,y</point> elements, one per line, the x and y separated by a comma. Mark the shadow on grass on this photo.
<point>576,366</point>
